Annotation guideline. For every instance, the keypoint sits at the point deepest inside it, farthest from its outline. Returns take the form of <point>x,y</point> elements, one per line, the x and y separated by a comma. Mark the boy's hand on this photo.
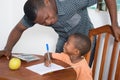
<point>47,62</point>
<point>5,53</point>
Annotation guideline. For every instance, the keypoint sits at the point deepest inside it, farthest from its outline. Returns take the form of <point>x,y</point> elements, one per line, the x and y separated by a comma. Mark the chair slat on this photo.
<point>112,60</point>
<point>96,54</point>
<point>117,75</point>
<point>104,55</point>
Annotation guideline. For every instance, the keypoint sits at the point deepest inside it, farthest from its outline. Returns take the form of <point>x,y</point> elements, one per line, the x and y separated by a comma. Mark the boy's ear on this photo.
<point>47,2</point>
<point>77,52</point>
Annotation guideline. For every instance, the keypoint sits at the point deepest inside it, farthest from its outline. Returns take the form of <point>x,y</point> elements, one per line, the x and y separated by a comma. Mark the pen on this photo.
<point>47,48</point>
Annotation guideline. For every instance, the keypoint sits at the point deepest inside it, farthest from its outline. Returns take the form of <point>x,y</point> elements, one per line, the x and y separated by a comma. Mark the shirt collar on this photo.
<point>59,7</point>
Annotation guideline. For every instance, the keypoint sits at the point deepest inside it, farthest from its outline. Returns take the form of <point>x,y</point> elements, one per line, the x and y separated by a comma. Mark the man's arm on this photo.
<point>12,39</point>
<point>111,4</point>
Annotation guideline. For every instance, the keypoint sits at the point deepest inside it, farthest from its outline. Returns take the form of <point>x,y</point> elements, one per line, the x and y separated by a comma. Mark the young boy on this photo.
<point>73,53</point>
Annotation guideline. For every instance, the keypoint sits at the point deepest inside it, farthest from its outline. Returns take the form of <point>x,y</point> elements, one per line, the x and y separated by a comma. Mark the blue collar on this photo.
<point>59,8</point>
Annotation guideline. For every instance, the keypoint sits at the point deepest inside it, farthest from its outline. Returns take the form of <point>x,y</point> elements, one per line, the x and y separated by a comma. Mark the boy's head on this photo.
<point>41,11</point>
<point>77,44</point>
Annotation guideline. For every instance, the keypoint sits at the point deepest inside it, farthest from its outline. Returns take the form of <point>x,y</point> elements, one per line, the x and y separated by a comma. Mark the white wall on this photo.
<point>34,39</point>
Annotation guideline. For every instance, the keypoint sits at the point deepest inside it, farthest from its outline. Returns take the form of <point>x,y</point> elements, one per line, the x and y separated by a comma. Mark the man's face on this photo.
<point>46,16</point>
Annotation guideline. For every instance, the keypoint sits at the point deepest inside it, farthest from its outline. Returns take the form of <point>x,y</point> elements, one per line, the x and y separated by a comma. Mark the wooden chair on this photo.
<point>117,76</point>
<point>106,64</point>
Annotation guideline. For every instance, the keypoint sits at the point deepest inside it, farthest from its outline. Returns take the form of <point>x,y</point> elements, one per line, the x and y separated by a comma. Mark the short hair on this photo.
<point>31,8</point>
<point>82,43</point>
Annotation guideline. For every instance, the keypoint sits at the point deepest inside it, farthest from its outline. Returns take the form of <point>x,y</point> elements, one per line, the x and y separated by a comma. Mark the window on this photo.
<point>102,6</point>
<point>118,5</point>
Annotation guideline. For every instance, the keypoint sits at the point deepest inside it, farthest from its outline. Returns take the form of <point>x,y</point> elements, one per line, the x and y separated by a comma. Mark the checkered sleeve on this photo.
<point>26,22</point>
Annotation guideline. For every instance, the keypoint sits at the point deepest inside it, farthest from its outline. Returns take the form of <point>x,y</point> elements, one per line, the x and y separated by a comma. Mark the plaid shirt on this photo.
<point>72,17</point>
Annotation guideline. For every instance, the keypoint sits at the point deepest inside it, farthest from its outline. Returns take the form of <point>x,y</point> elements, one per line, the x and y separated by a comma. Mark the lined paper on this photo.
<point>42,69</point>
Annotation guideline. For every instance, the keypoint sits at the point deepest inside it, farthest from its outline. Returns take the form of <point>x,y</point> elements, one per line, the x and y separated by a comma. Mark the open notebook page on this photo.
<point>42,69</point>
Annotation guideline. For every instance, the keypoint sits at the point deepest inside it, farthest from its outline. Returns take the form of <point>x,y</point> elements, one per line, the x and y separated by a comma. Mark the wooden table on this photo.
<point>25,74</point>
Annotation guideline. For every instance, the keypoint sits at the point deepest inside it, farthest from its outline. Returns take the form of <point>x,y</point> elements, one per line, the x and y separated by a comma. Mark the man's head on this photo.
<point>77,44</point>
<point>41,11</point>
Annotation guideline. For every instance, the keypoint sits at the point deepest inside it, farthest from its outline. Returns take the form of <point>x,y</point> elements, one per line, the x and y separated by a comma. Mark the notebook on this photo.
<point>26,57</point>
<point>42,69</point>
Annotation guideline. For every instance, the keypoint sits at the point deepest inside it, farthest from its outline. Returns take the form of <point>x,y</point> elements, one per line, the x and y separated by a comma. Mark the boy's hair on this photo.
<point>31,8</point>
<point>82,42</point>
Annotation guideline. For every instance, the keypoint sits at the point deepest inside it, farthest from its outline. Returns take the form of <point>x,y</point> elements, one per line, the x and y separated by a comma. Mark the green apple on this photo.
<point>14,63</point>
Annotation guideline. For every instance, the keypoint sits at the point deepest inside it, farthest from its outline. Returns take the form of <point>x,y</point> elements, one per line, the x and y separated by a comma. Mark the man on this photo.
<point>64,16</point>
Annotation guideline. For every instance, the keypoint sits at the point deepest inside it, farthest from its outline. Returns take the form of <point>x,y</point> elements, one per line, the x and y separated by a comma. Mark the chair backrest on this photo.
<point>106,64</point>
<point>117,76</point>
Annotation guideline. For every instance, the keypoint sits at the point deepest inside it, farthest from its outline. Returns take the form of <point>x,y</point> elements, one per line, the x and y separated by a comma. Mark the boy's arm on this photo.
<point>54,56</point>
<point>111,4</point>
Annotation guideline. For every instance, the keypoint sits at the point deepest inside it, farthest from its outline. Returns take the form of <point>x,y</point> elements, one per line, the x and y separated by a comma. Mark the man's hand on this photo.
<point>5,53</point>
<point>116,31</point>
